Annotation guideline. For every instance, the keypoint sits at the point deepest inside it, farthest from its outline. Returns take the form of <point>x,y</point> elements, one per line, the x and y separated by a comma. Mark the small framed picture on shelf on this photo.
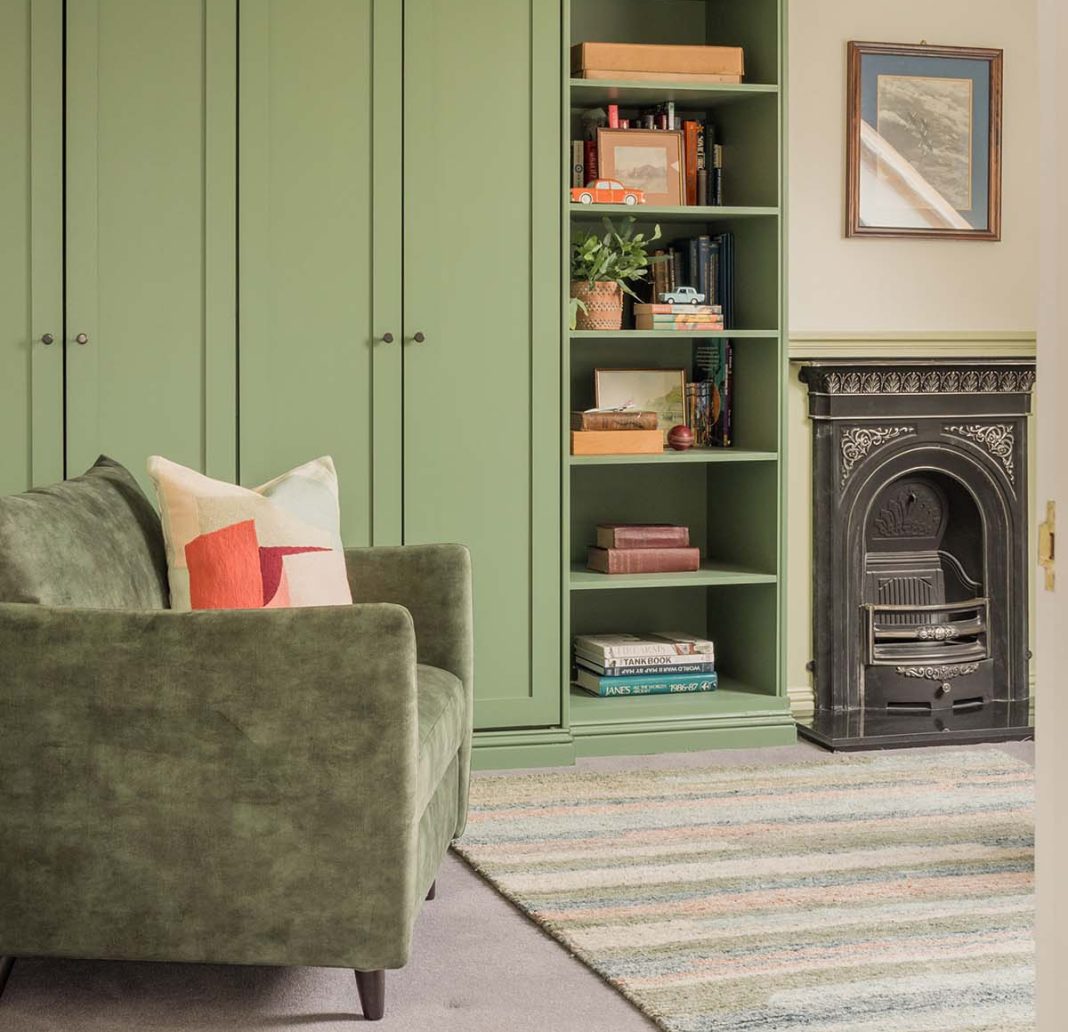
<point>649,159</point>
<point>924,141</point>
<point>651,390</point>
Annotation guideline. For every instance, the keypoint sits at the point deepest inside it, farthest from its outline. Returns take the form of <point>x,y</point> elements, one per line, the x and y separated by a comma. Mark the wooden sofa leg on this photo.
<point>371,985</point>
<point>6,964</point>
<point>433,890</point>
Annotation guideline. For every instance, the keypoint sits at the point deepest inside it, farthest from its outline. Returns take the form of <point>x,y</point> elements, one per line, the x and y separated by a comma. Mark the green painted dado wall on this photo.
<point>258,231</point>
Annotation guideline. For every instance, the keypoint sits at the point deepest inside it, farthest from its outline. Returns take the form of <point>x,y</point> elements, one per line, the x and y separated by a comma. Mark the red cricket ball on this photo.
<point>680,438</point>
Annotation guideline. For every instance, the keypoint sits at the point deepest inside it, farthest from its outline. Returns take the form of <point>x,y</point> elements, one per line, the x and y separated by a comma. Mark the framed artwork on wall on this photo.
<point>649,159</point>
<point>924,141</point>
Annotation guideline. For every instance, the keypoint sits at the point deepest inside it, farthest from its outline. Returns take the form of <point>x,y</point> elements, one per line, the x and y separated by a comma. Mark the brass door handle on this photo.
<point>1047,545</point>
<point>82,338</point>
<point>48,339</point>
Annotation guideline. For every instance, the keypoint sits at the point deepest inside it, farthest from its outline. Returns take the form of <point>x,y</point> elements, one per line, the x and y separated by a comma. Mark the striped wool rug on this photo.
<point>873,893</point>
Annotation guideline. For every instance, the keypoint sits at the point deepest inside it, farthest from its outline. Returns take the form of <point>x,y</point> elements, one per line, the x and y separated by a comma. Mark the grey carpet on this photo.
<point>477,966</point>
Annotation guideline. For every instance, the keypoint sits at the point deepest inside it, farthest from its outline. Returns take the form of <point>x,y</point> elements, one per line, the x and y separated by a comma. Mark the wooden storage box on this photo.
<point>616,442</point>
<point>636,60</point>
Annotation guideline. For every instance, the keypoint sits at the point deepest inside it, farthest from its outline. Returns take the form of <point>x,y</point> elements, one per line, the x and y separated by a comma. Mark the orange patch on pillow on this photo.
<point>224,568</point>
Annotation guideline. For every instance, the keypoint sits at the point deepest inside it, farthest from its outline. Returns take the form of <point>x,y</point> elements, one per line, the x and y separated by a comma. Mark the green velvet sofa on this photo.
<point>248,787</point>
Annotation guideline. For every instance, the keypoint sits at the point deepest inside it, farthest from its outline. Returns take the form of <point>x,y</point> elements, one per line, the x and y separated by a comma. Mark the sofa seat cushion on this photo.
<point>93,541</point>
<point>441,726</point>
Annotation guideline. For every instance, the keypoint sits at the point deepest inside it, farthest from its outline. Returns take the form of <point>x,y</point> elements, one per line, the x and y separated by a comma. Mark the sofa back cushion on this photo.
<point>94,541</point>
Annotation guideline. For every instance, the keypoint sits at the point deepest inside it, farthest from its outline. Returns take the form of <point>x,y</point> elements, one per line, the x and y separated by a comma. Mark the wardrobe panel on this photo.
<point>31,243</point>
<point>481,285</point>
<point>309,255</point>
<point>151,143</point>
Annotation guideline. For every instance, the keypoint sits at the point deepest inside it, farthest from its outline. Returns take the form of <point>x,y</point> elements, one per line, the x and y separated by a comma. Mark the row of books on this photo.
<point>704,262</point>
<point>660,663</point>
<point>710,399</point>
<point>642,548</point>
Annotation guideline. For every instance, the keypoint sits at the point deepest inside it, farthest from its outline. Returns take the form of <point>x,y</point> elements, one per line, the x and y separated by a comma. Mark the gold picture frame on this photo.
<point>651,160</point>
<point>662,391</point>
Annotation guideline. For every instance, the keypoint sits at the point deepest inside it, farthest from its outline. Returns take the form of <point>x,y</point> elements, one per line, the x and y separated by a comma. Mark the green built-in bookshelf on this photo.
<point>730,498</point>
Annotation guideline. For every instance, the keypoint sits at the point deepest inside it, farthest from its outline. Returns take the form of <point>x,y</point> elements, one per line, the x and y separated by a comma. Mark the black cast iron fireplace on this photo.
<point>920,578</point>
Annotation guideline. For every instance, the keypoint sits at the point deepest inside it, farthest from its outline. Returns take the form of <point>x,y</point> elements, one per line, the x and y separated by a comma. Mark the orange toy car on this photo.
<point>607,191</point>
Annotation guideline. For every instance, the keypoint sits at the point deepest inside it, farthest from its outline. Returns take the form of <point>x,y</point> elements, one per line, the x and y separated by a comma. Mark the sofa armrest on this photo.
<point>255,770</point>
<point>433,582</point>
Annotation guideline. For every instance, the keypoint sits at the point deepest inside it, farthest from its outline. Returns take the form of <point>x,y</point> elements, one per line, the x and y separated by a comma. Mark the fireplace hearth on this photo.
<point>920,552</point>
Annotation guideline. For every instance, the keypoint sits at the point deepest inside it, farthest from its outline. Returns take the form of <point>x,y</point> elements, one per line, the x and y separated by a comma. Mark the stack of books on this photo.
<point>682,317</point>
<point>643,548</point>
<point>615,432</point>
<point>705,263</point>
<point>663,663</point>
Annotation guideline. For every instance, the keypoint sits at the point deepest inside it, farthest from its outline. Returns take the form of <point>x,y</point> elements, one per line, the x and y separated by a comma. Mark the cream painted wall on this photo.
<point>869,284</point>
<point>894,297</point>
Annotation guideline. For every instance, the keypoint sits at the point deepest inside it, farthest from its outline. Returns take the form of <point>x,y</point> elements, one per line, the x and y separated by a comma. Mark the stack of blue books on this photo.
<point>658,663</point>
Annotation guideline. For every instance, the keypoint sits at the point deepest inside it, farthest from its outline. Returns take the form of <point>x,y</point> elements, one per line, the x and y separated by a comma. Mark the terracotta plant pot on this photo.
<point>604,305</point>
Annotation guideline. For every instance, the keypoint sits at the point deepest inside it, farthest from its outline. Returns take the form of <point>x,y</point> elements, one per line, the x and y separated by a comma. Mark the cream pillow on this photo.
<point>272,546</point>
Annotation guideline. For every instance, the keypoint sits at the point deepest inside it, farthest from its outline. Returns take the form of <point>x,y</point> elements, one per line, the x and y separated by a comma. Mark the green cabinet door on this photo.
<point>319,259</point>
<point>482,287</point>
<point>31,243</point>
<point>150,180</point>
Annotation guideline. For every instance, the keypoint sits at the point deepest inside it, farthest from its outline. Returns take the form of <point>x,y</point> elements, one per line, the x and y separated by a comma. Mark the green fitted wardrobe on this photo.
<point>246,234</point>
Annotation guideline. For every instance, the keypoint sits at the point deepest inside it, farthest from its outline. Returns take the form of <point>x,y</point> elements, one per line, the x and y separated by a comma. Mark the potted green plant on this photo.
<point>603,265</point>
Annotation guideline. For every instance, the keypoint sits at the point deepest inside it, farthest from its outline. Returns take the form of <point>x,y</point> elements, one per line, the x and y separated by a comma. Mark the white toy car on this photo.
<point>682,296</point>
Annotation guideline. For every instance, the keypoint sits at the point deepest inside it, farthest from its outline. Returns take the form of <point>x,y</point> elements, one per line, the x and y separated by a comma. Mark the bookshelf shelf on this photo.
<point>693,96</point>
<point>693,457</point>
<point>731,699</point>
<point>670,213</point>
<point>711,574</point>
<point>637,336</point>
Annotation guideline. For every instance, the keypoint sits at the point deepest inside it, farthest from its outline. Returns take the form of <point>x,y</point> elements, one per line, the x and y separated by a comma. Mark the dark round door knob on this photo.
<point>419,337</point>
<point>82,338</point>
<point>47,339</point>
<point>387,338</point>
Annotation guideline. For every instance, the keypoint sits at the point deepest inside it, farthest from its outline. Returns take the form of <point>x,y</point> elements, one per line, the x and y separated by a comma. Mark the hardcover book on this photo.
<point>654,684</point>
<point>592,419</point>
<point>650,322</point>
<point>653,643</point>
<point>643,560</point>
<point>642,535</point>
<point>640,667</point>
<point>672,308</point>
<point>578,163</point>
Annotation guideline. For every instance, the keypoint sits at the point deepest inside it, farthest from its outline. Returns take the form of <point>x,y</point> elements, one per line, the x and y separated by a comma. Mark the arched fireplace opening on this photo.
<point>923,596</point>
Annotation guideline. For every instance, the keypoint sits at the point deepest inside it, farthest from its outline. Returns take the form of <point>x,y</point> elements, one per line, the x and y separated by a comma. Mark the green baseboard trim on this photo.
<point>645,743</point>
<point>535,747</point>
<point>559,747</point>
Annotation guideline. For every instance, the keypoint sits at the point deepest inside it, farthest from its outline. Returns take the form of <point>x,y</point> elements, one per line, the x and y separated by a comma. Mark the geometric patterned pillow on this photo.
<point>273,546</point>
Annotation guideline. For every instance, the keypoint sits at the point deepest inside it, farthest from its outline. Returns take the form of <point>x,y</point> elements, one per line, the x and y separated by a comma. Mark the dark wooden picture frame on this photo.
<point>987,172</point>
